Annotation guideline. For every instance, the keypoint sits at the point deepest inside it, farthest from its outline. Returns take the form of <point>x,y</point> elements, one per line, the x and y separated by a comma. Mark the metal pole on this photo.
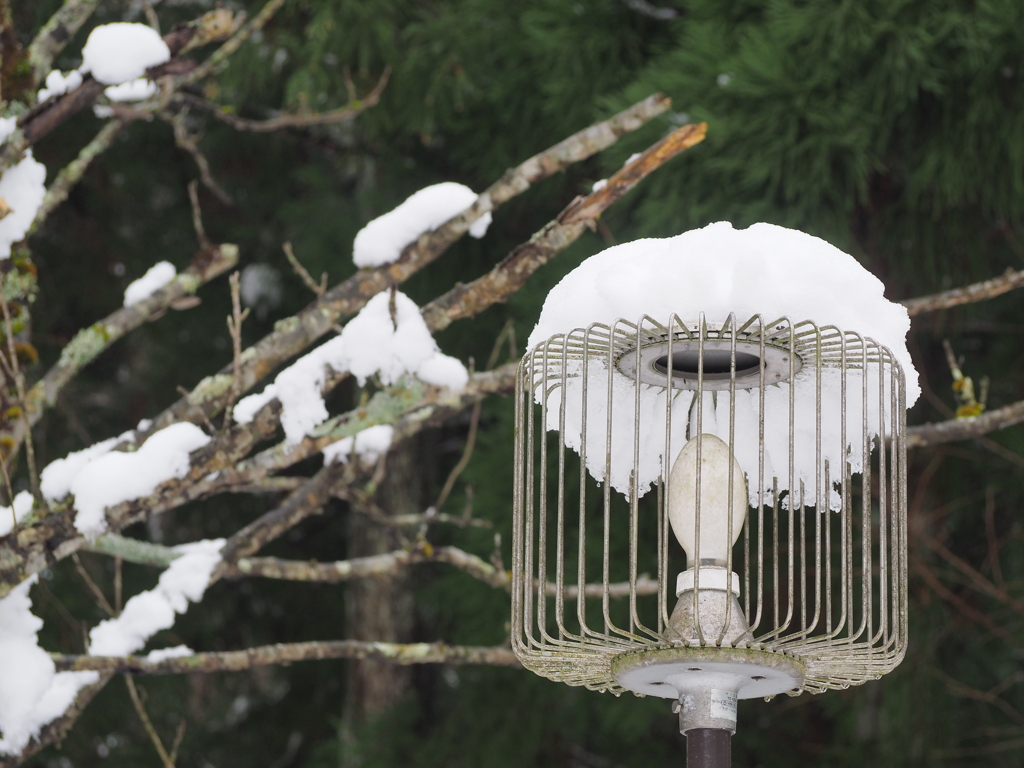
<point>707,717</point>
<point>708,748</point>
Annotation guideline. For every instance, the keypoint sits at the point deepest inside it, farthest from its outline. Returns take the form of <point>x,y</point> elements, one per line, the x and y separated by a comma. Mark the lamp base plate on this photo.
<point>669,673</point>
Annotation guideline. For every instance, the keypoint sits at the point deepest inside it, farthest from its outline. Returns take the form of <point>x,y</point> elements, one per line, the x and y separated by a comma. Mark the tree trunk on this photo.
<point>381,608</point>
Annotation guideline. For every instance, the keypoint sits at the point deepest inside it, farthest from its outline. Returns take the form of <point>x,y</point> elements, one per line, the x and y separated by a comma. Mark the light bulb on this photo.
<point>715,512</point>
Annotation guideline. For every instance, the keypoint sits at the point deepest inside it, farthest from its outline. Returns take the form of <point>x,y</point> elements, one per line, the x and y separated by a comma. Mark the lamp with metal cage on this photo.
<point>709,509</point>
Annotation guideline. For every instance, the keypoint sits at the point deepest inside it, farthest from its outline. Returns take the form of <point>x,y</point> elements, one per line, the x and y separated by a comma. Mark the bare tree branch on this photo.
<point>55,33</point>
<point>394,562</point>
<point>72,173</point>
<point>965,429</point>
<point>974,579</point>
<point>385,564</point>
<point>288,653</point>
<point>302,503</point>
<point>35,547</point>
<point>19,385</point>
<point>147,724</point>
<point>89,343</point>
<point>362,567</point>
<point>190,143</point>
<point>101,599</point>
<point>293,121</point>
<point>474,423</point>
<point>48,115</point>
<point>56,730</point>
<point>296,333</point>
<point>511,274</point>
<point>986,289</point>
<point>233,43</point>
<point>234,321</point>
<point>468,300</point>
<point>319,289</point>
<point>962,689</point>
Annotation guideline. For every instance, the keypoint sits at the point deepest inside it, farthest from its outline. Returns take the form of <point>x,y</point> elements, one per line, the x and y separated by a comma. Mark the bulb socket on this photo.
<point>713,365</point>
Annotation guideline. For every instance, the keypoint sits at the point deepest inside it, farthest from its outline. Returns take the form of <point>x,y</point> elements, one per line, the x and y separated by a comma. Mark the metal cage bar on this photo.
<point>815,427</point>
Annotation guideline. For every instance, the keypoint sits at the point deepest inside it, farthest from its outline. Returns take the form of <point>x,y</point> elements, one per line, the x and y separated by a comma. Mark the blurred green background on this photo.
<point>894,129</point>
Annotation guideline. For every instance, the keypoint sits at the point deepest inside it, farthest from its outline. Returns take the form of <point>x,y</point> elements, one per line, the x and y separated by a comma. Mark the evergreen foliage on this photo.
<point>892,128</point>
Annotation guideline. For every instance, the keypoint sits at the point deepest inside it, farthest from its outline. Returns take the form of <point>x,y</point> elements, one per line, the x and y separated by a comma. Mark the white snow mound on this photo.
<point>145,614</point>
<point>368,445</point>
<point>382,240</point>
<point>116,53</point>
<point>156,277</point>
<point>106,479</point>
<point>22,188</point>
<point>57,84</point>
<point>134,90</point>
<point>7,126</point>
<point>765,269</point>
<point>32,693</point>
<point>17,511</point>
<point>371,343</point>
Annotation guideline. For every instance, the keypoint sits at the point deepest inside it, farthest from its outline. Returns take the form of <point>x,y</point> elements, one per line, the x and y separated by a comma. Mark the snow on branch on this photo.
<point>90,342</point>
<point>382,240</point>
<point>511,274</point>
<point>117,53</point>
<point>294,334</point>
<point>387,339</point>
<point>106,478</point>
<point>369,445</point>
<point>145,614</point>
<point>14,514</point>
<point>217,468</point>
<point>55,34</point>
<point>507,277</point>
<point>123,51</point>
<point>156,277</point>
<point>22,189</point>
<point>32,692</point>
<point>407,407</point>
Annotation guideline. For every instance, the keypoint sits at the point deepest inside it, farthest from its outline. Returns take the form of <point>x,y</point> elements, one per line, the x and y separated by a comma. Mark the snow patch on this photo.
<point>156,277</point>
<point>175,652</point>
<point>22,188</point>
<point>113,477</point>
<point>57,84</point>
<point>369,445</point>
<point>55,479</point>
<point>32,693</point>
<point>247,408</point>
<point>184,581</point>
<point>382,240</point>
<point>766,270</point>
<point>134,90</point>
<point>17,511</point>
<point>116,53</point>
<point>371,343</point>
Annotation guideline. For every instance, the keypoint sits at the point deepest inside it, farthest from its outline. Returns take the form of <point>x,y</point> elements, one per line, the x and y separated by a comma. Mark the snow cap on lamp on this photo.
<point>716,271</point>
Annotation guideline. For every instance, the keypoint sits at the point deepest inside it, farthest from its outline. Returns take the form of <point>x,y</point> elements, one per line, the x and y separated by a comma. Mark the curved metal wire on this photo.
<point>821,557</point>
